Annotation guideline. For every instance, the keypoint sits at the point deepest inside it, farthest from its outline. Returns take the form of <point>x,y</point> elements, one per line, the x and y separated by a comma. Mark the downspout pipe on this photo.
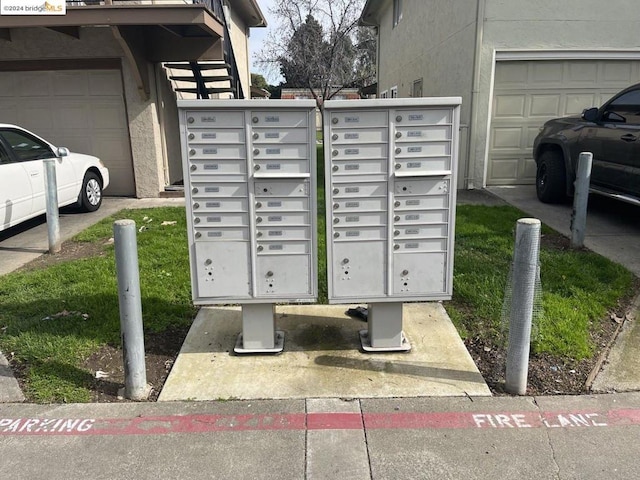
<point>475,94</point>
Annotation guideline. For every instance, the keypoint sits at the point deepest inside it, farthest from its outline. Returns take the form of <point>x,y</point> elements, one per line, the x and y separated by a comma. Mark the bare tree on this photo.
<point>314,45</point>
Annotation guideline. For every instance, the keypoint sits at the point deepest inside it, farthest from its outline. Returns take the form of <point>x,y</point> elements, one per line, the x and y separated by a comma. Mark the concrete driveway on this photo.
<point>613,230</point>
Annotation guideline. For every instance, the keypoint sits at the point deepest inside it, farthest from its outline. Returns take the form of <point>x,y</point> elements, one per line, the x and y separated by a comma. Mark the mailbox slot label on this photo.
<point>351,136</point>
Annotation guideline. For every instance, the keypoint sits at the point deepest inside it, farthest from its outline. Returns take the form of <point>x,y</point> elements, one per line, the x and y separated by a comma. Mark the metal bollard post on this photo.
<point>132,335</point>
<point>53,217</point>
<point>580,200</point>
<point>525,270</point>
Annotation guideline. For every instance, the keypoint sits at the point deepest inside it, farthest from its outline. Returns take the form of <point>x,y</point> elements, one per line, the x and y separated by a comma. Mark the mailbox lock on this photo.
<point>405,273</point>
<point>258,204</point>
<point>399,118</point>
<point>208,261</point>
<point>398,150</point>
<point>256,136</point>
<point>336,191</point>
<point>256,151</point>
<point>193,168</point>
<point>194,190</point>
<point>196,220</point>
<point>397,218</point>
<point>398,134</point>
<point>259,220</point>
<point>336,220</point>
<point>260,248</point>
<point>190,120</point>
<point>192,152</point>
<point>255,119</point>
<point>396,247</point>
<point>269,273</point>
<point>334,136</point>
<point>345,261</point>
<point>198,234</point>
<point>259,234</point>
<point>196,206</point>
<point>334,152</point>
<point>396,232</point>
<point>398,166</point>
<point>336,235</point>
<point>334,120</point>
<point>336,206</point>
<point>256,167</point>
<point>335,168</point>
<point>396,203</point>
<point>191,136</point>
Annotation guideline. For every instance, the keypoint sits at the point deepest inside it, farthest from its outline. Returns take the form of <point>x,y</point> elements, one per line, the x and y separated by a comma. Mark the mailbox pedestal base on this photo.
<point>385,329</point>
<point>259,334</point>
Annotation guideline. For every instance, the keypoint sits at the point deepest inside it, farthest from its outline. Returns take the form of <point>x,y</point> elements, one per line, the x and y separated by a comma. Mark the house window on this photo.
<point>394,92</point>
<point>416,88</point>
<point>397,12</point>
<point>384,94</point>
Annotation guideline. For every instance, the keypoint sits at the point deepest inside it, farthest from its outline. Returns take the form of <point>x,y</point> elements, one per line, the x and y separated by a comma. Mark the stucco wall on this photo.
<point>433,41</point>
<point>42,44</point>
<point>240,43</point>
<point>546,26</point>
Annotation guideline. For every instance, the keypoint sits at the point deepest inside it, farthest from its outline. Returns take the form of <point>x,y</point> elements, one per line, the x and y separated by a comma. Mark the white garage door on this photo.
<point>527,93</point>
<point>79,109</point>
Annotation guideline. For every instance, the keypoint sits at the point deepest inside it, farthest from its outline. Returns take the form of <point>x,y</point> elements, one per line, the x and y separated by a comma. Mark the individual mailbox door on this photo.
<point>251,209</point>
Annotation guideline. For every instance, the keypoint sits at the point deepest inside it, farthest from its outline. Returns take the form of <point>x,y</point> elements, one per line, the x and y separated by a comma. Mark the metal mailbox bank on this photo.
<point>249,169</point>
<point>390,190</point>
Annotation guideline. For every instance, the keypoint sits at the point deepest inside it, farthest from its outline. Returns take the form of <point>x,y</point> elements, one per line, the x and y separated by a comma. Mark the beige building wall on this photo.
<point>240,41</point>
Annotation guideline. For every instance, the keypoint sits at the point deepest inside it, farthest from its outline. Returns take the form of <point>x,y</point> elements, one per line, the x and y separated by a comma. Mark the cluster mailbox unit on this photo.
<point>250,188</point>
<point>390,191</point>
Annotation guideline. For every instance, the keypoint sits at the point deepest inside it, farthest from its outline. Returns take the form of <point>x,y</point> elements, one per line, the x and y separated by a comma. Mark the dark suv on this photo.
<point>611,133</point>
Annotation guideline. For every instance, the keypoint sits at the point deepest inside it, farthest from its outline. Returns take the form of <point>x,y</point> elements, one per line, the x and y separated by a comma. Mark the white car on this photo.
<point>80,178</point>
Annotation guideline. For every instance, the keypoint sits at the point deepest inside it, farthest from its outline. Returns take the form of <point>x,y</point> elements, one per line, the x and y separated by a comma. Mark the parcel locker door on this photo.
<point>283,275</point>
<point>419,273</point>
<point>358,269</point>
<point>222,269</point>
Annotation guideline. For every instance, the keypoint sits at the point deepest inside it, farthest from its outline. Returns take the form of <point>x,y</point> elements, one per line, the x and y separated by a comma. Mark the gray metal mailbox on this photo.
<point>390,192</point>
<point>250,188</point>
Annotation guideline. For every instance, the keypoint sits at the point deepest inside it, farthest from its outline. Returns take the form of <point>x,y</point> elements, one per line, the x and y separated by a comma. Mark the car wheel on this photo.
<point>90,197</point>
<point>551,178</point>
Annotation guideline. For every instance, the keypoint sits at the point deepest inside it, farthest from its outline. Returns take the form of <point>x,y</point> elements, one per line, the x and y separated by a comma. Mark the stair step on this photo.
<point>179,78</point>
<point>209,90</point>
<point>203,66</point>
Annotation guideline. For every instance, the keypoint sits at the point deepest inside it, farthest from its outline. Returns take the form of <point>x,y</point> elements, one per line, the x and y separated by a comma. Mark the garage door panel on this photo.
<point>550,89</point>
<point>79,109</point>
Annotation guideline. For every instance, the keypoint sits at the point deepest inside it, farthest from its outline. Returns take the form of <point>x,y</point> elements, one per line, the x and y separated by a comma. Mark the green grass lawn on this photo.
<point>52,319</point>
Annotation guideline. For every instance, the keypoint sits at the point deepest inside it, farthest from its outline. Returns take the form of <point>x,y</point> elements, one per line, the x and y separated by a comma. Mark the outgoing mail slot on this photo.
<point>285,275</point>
<point>221,234</point>
<point>424,216</point>
<point>355,219</point>
<point>421,117</point>
<point>202,190</point>
<point>354,189</point>
<point>359,205</point>
<point>357,152</point>
<point>426,186</point>
<point>215,168</point>
<point>420,245</point>
<point>286,218</point>
<point>262,136</point>
<point>421,150</point>
<point>221,152</point>
<point>214,119</point>
<point>207,205</point>
<point>271,204</point>
<point>420,231</point>
<point>282,188</point>
<point>279,247</point>
<point>263,167</point>
<point>421,133</point>
<point>357,233</point>
<point>358,118</point>
<point>219,135</point>
<point>359,136</point>
<point>283,233</point>
<point>279,119</point>
<point>430,202</point>
<point>223,219</point>
<point>358,167</point>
